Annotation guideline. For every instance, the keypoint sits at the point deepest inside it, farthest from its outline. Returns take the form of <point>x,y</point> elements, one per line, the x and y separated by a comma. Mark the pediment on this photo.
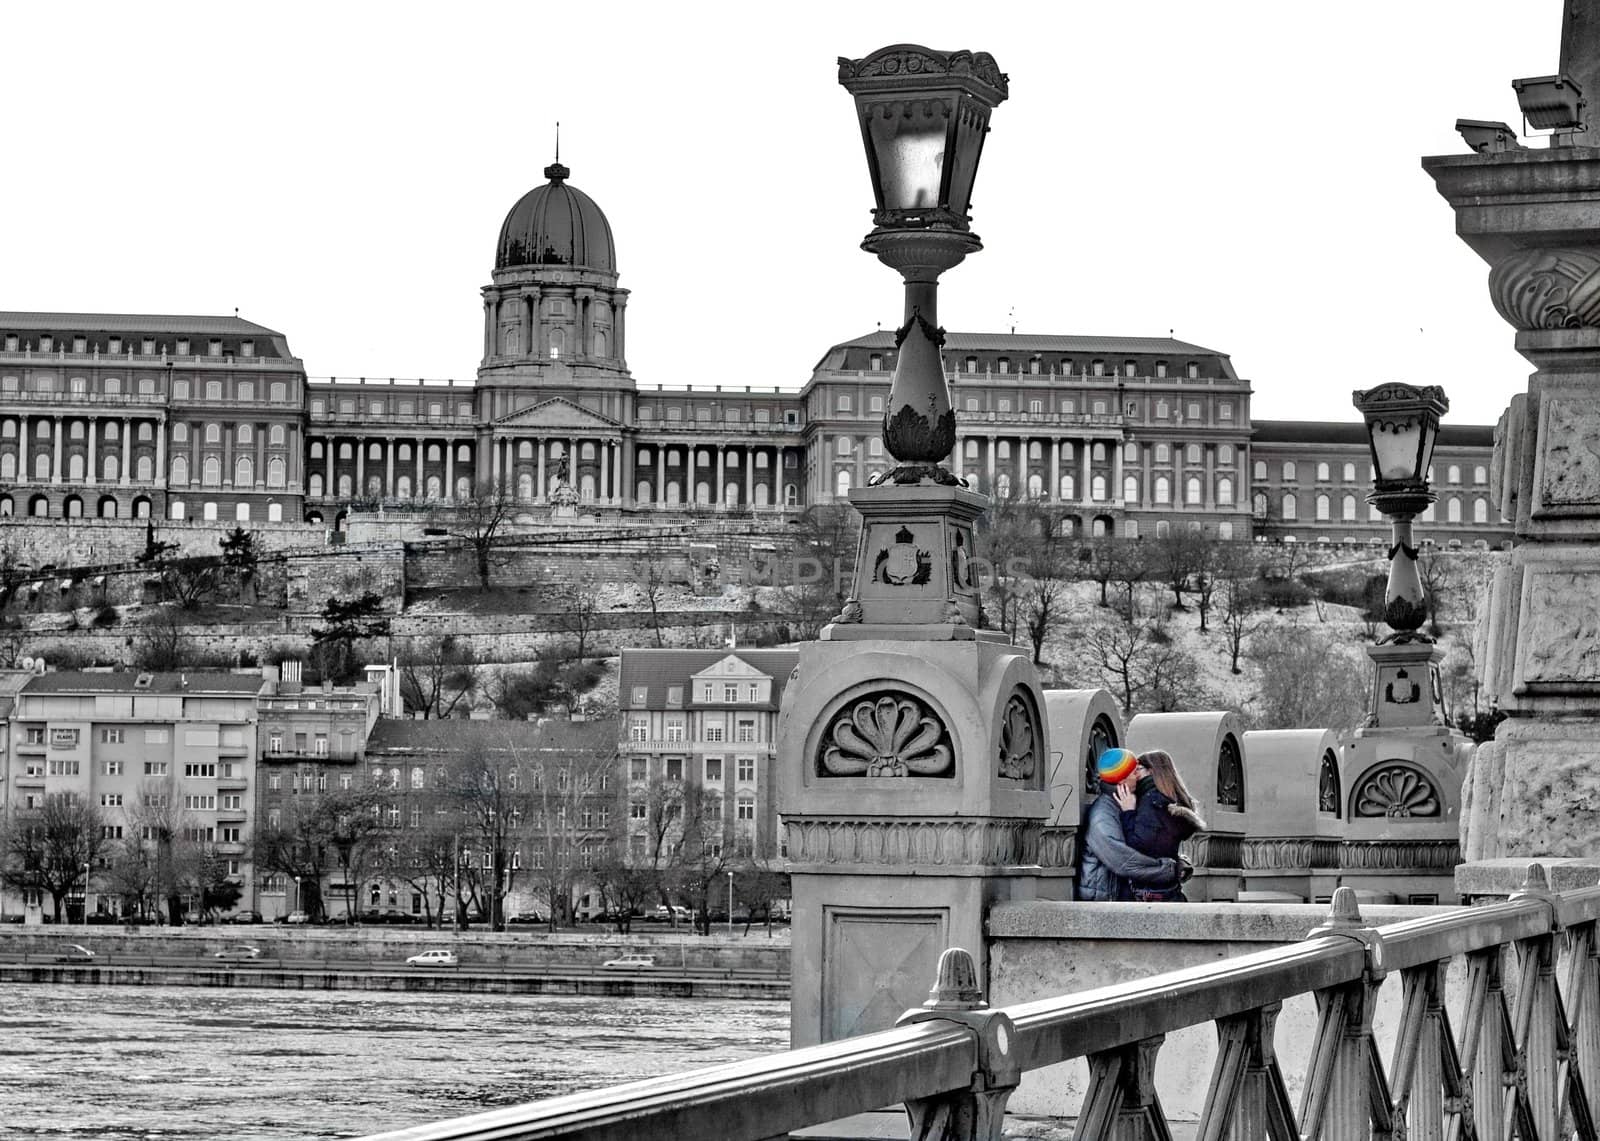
<point>731,666</point>
<point>557,414</point>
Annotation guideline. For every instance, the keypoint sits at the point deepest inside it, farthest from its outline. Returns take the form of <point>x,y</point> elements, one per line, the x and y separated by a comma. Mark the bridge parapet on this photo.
<point>1519,1061</point>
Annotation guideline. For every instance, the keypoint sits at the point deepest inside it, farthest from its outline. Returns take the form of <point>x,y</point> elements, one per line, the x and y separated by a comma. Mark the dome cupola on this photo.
<point>556,225</point>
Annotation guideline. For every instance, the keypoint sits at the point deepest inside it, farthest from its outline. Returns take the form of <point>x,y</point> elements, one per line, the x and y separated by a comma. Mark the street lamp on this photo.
<point>1402,426</point>
<point>296,906</point>
<point>86,869</point>
<point>730,903</point>
<point>923,116</point>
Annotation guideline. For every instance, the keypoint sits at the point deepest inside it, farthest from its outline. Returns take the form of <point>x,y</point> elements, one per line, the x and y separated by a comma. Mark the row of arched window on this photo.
<point>1323,471</point>
<point>1350,511</point>
<point>244,390</point>
<point>73,507</point>
<point>433,453</point>
<point>733,493</point>
<point>244,470</point>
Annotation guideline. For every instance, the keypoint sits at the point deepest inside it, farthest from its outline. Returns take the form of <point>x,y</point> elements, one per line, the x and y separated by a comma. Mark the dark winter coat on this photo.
<point>1155,826</point>
<point>1109,865</point>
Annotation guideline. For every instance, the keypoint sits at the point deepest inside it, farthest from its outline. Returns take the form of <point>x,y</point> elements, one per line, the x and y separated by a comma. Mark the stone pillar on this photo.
<point>55,467</point>
<point>538,491</point>
<point>160,431</point>
<point>126,451</point>
<point>1208,493</point>
<point>661,477</point>
<point>361,465</point>
<point>989,442</point>
<point>1086,445</point>
<point>329,451</point>
<point>89,473</point>
<point>719,498</point>
<point>420,488</point>
<point>1055,470</point>
<point>388,446</point>
<point>1116,471</point>
<point>749,461</point>
<point>450,467</point>
<point>900,843</point>
<point>604,454</point>
<point>1533,216</point>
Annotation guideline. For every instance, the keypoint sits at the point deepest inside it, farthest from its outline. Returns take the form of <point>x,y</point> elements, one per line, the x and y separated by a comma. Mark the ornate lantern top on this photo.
<point>923,114</point>
<point>1402,425</point>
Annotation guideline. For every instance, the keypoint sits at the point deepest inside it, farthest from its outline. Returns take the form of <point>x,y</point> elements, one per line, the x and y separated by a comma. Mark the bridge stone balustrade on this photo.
<point>1451,1023</point>
<point>1083,724</point>
<point>1208,749</point>
<point>1295,824</point>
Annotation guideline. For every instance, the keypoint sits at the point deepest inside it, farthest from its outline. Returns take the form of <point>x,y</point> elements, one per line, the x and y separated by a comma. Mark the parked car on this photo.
<point>298,917</point>
<point>243,917</point>
<point>74,953</point>
<point>438,957</point>
<point>238,953</point>
<point>527,917</point>
<point>631,963</point>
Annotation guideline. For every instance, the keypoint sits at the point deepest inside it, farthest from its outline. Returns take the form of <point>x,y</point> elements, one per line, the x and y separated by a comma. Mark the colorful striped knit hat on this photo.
<point>1116,765</point>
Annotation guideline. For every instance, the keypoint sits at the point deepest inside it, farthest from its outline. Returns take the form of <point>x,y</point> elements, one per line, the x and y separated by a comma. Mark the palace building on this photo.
<point>215,418</point>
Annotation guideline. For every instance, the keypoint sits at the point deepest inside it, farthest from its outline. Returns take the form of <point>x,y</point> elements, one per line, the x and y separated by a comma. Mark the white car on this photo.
<point>438,957</point>
<point>631,963</point>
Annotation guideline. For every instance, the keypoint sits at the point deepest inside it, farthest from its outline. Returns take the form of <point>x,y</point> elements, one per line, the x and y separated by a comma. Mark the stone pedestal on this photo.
<point>1208,749</point>
<point>1534,217</point>
<point>913,761</point>
<point>1491,881</point>
<point>1295,823</point>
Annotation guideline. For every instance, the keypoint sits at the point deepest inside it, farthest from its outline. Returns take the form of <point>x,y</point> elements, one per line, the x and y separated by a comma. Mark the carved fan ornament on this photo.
<point>1547,289</point>
<point>1397,791</point>
<point>886,734</point>
<point>1018,742</point>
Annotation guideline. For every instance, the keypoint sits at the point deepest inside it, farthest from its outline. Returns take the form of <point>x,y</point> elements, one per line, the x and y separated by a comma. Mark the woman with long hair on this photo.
<point>1158,815</point>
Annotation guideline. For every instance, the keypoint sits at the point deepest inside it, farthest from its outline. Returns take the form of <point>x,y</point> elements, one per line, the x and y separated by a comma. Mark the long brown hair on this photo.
<point>1165,773</point>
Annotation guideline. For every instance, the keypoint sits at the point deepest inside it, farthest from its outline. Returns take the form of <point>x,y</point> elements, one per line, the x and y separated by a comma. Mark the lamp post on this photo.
<point>730,903</point>
<point>1402,425</point>
<point>923,116</point>
<point>296,906</point>
<point>86,870</point>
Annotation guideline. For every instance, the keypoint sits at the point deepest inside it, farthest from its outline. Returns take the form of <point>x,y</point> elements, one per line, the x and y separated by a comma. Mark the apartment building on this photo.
<point>700,725</point>
<point>146,751</point>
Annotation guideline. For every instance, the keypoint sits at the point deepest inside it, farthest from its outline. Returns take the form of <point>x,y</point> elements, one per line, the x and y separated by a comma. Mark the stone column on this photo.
<point>1116,471</point>
<point>160,432</point>
<point>328,451</point>
<point>89,473</point>
<point>1055,470</point>
<point>1208,493</point>
<point>361,465</point>
<point>719,499</point>
<point>661,472</point>
<point>450,466</point>
<point>1084,486</point>
<point>622,484</point>
<point>55,468</point>
<point>603,454</point>
<point>126,449</point>
<point>419,489</point>
<point>989,442</point>
<point>538,489</point>
<point>749,461</point>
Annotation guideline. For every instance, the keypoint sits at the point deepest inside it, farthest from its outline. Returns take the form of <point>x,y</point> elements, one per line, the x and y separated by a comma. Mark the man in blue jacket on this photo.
<point>1110,867</point>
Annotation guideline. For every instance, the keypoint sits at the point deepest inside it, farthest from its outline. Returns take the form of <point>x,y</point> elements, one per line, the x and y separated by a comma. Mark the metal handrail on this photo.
<point>954,1056</point>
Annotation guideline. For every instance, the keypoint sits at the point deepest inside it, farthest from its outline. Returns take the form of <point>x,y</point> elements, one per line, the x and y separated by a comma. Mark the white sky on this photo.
<point>1244,172</point>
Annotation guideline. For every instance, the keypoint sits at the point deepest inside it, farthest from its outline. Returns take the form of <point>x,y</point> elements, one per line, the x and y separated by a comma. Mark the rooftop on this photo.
<point>130,681</point>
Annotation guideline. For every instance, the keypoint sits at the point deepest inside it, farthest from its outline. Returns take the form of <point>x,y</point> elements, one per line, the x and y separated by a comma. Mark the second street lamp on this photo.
<point>1402,425</point>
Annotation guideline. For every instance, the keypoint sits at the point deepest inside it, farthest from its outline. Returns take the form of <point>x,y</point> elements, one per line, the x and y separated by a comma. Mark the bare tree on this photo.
<point>161,820</point>
<point>49,849</point>
<point>650,575</point>
<point>580,611</point>
<point>436,675</point>
<point>1308,678</point>
<point>702,855</point>
<point>1179,556</point>
<point>1139,662</point>
<point>823,552</point>
<point>1240,589</point>
<point>478,518</point>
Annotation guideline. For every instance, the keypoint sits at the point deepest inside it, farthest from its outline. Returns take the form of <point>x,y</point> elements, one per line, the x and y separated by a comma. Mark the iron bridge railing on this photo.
<point>1516,1067</point>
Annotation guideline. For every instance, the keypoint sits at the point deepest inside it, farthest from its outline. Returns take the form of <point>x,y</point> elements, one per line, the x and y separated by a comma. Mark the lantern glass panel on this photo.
<point>1397,445</point>
<point>909,140</point>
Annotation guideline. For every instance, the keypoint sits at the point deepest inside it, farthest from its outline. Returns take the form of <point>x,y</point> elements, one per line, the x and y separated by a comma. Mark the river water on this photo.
<point>180,1063</point>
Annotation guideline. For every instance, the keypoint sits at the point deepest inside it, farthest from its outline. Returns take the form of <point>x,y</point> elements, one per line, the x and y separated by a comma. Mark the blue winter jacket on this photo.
<point>1109,865</point>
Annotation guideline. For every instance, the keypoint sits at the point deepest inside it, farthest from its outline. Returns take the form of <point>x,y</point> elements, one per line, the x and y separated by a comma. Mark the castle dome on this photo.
<point>556,224</point>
